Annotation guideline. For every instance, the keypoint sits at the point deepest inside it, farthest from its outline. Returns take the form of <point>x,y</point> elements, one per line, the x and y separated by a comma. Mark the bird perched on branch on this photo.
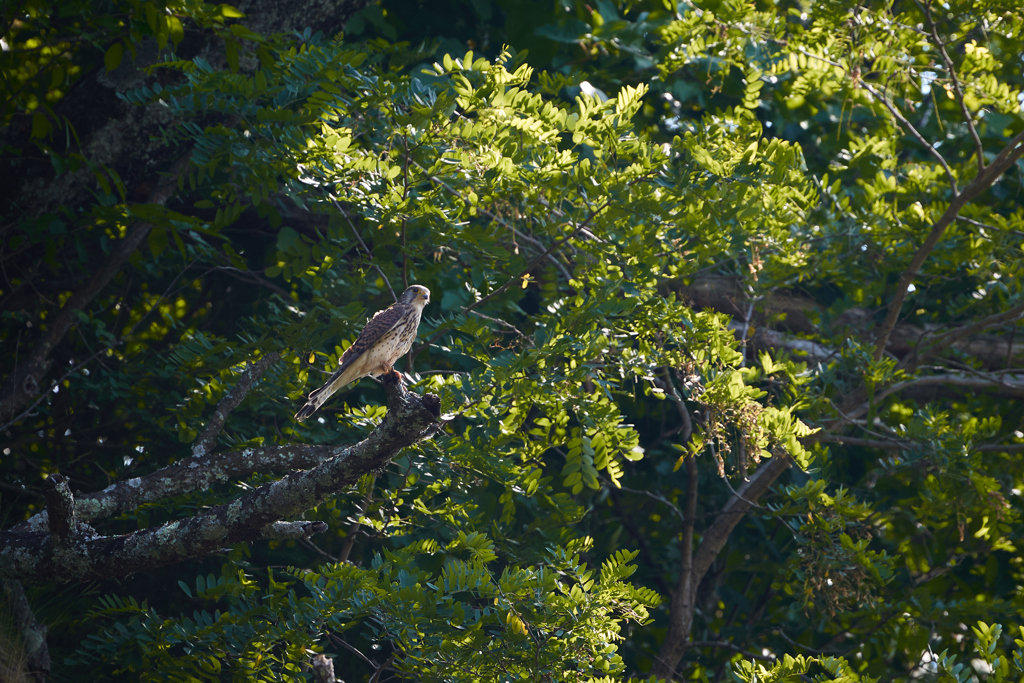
<point>387,337</point>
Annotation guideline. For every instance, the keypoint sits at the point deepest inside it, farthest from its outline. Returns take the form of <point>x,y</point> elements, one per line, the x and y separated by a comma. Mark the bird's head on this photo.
<point>417,295</point>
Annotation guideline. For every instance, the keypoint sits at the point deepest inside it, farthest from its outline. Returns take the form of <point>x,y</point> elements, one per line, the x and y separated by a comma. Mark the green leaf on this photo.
<point>112,57</point>
<point>231,53</point>
<point>157,241</point>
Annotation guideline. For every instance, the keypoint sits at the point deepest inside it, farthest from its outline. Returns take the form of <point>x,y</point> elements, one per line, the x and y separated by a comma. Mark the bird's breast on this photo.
<point>398,340</point>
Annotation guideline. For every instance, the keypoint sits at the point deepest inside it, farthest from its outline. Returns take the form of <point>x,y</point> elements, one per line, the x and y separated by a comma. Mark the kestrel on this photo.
<point>387,337</point>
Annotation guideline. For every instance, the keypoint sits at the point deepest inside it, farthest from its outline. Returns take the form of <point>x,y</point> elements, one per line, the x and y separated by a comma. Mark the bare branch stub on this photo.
<point>60,506</point>
<point>323,669</point>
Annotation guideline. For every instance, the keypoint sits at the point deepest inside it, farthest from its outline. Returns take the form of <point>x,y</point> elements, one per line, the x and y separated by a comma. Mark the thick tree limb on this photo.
<point>953,337</point>
<point>677,640</point>
<point>1005,385</point>
<point>906,445</point>
<point>810,350</point>
<point>681,609</point>
<point>323,669</point>
<point>25,381</point>
<point>714,538</point>
<point>711,544</point>
<point>190,474</point>
<point>725,294</point>
<point>33,555</point>
<point>205,442</point>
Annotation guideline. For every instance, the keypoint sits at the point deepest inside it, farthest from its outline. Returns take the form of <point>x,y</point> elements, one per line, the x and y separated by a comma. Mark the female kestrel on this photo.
<point>387,337</point>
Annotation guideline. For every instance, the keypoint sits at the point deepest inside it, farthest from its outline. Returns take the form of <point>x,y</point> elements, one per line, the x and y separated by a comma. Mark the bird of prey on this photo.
<point>387,337</point>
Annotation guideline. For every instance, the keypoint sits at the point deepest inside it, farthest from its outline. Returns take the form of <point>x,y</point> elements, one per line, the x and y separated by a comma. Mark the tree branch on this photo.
<point>205,442</point>
<point>1004,160</point>
<point>410,419</point>
<point>908,126</point>
<point>732,512</point>
<point>950,338</point>
<point>516,234</point>
<point>293,530</point>
<point>353,530</point>
<point>534,263</point>
<point>712,542</point>
<point>677,639</point>
<point>957,90</point>
<point>24,382</point>
<point>187,475</point>
<point>722,294</point>
<point>1011,385</point>
<point>903,445</point>
<point>366,249</point>
<point>323,669</point>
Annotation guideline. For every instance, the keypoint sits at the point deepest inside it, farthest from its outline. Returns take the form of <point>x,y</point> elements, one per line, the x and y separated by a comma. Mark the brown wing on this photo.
<point>379,325</point>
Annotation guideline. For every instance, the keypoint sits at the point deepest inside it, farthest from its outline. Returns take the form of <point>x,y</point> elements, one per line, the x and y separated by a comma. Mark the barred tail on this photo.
<point>306,411</point>
<point>347,373</point>
<point>311,405</point>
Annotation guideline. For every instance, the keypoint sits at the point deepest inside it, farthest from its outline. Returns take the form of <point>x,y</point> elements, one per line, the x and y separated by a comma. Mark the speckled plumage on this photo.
<point>387,337</point>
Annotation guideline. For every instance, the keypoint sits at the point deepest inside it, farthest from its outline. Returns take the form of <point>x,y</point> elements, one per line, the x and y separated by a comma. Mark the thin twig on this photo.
<point>958,91</point>
<point>365,248</point>
<point>205,442</point>
<point>317,549</point>
<point>731,646</point>
<point>501,322</point>
<point>533,264</point>
<point>353,531</point>
<point>658,497</point>
<point>907,125</point>
<point>516,234</point>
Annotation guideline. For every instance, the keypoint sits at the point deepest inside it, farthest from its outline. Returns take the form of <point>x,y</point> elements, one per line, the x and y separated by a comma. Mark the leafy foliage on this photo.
<point>565,206</point>
<point>554,621</point>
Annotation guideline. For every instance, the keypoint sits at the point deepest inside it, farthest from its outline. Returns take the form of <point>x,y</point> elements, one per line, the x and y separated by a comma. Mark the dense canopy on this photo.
<point>719,379</point>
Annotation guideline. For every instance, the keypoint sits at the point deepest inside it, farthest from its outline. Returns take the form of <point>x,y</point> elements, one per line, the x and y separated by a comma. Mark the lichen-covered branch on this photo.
<point>188,475</point>
<point>33,555</point>
<point>293,530</point>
